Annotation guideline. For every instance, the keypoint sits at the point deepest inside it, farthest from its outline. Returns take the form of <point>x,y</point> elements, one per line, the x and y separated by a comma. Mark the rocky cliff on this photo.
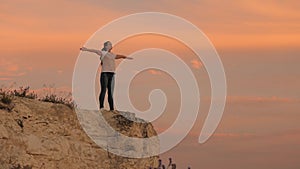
<point>36,134</point>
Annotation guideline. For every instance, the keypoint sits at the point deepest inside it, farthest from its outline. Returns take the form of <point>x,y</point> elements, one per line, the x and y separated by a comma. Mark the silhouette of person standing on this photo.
<point>107,77</point>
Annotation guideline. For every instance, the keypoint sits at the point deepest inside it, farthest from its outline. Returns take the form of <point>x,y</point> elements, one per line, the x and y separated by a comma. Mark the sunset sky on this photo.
<point>257,41</point>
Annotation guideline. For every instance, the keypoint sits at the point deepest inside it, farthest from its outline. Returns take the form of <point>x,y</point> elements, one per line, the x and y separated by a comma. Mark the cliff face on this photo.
<point>45,135</point>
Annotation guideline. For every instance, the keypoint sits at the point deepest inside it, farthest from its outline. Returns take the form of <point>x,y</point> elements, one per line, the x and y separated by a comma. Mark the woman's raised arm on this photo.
<point>91,50</point>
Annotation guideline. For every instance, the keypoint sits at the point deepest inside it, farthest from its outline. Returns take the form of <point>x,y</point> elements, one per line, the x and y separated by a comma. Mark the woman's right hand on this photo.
<point>83,48</point>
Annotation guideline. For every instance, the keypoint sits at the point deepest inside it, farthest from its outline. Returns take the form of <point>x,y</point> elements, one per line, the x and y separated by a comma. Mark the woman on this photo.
<point>107,72</point>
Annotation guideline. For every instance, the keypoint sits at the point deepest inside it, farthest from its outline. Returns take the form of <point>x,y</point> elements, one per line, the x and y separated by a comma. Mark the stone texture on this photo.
<point>3,132</point>
<point>51,137</point>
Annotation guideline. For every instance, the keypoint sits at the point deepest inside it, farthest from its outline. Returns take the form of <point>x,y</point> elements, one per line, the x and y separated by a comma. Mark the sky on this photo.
<point>257,41</point>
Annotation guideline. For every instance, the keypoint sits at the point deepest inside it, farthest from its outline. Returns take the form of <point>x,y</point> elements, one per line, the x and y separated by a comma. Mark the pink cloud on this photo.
<point>5,79</point>
<point>272,99</point>
<point>60,71</point>
<point>13,68</point>
<point>12,74</point>
<point>154,72</point>
<point>232,135</point>
<point>275,9</point>
<point>196,64</point>
<point>9,69</point>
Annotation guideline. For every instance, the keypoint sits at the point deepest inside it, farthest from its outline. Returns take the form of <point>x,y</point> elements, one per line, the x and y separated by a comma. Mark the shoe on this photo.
<point>102,109</point>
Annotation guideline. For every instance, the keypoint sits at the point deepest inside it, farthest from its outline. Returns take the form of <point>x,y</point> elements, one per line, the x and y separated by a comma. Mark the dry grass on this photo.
<point>7,95</point>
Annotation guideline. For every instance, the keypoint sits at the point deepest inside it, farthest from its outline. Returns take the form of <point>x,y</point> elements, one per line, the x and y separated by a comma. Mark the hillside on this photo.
<point>43,135</point>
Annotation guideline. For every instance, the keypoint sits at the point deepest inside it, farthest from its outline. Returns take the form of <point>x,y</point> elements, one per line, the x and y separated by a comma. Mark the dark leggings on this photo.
<point>107,81</point>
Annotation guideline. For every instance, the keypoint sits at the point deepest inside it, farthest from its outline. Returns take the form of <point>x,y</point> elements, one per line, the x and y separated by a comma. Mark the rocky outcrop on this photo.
<point>44,135</point>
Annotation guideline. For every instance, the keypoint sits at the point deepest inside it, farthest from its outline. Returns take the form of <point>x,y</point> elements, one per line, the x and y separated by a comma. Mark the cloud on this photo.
<point>232,135</point>
<point>258,99</point>
<point>10,69</point>
<point>258,40</point>
<point>154,72</point>
<point>5,78</point>
<point>25,25</point>
<point>217,134</point>
<point>196,64</point>
<point>59,71</point>
<point>12,74</point>
<point>22,21</point>
<point>274,9</point>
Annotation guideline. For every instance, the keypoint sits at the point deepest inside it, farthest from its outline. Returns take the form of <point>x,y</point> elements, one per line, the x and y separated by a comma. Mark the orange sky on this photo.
<point>258,43</point>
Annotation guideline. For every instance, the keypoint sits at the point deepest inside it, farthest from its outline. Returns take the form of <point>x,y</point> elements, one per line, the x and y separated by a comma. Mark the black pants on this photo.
<point>107,82</point>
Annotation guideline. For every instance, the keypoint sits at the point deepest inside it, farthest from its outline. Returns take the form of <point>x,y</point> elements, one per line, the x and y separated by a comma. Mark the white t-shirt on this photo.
<point>108,60</point>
